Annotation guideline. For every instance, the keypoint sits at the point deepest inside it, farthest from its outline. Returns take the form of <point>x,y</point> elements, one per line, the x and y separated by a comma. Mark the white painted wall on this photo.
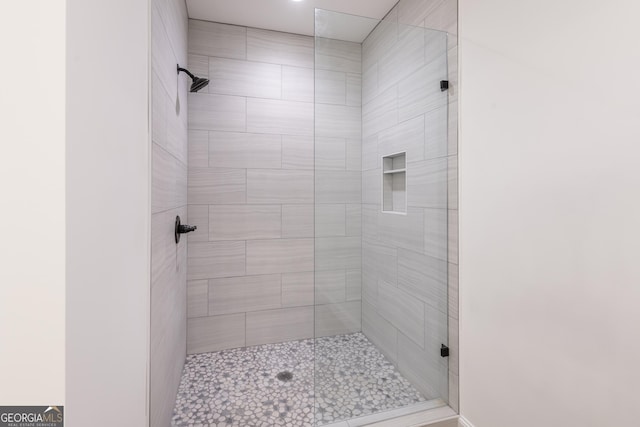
<point>550,213</point>
<point>108,212</point>
<point>32,96</point>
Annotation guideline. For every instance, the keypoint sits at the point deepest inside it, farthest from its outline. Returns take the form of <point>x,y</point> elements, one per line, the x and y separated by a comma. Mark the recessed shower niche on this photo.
<point>394,183</point>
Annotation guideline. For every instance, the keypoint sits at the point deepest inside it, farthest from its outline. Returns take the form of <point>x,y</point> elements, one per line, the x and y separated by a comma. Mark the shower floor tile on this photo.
<point>240,387</point>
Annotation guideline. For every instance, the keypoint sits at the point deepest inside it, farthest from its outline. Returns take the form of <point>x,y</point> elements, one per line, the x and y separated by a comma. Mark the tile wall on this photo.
<point>252,186</point>
<point>409,263</point>
<point>168,199</point>
<point>443,15</point>
<point>338,187</point>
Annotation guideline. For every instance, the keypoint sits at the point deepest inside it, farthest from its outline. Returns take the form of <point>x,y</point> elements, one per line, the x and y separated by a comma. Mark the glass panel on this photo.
<point>380,256</point>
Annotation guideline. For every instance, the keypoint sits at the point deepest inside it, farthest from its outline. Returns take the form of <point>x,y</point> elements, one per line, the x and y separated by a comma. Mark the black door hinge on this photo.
<point>444,85</point>
<point>444,351</point>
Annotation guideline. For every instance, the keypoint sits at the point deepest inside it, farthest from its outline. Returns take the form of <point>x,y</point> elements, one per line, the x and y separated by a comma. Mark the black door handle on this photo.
<point>182,229</point>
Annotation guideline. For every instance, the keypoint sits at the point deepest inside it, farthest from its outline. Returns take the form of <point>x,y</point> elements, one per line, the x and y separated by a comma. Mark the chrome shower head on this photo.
<point>198,82</point>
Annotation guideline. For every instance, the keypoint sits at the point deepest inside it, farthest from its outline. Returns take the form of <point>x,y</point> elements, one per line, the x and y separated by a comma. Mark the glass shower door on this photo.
<point>380,147</point>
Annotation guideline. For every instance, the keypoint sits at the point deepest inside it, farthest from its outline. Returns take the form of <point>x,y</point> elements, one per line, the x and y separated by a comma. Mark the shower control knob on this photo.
<point>182,229</point>
<point>186,229</point>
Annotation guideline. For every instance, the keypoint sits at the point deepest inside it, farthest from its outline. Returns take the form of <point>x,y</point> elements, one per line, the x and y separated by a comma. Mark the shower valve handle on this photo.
<point>182,229</point>
<point>186,229</point>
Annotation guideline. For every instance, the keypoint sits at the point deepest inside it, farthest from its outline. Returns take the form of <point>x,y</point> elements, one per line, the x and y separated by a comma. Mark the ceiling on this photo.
<point>288,15</point>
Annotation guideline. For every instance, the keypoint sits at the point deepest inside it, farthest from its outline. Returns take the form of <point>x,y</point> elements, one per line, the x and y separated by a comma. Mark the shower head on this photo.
<point>197,82</point>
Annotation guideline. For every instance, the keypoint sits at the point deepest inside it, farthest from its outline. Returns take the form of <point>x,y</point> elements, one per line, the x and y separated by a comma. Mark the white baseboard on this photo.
<point>463,422</point>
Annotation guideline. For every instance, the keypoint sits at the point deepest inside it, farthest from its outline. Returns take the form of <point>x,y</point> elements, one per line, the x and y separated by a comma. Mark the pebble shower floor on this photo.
<point>240,387</point>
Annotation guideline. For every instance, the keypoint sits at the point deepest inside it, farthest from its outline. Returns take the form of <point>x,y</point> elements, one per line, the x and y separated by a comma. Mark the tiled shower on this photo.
<point>321,174</point>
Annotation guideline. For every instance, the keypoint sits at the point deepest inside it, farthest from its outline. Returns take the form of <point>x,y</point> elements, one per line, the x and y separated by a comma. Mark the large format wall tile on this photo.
<point>330,286</point>
<point>372,187</point>
<point>444,17</point>
<point>330,220</point>
<point>353,160</point>
<point>197,298</point>
<point>370,83</point>
<point>163,59</point>
<point>175,20</point>
<point>198,156</point>
<point>169,180</point>
<point>213,39</point>
<point>420,92</point>
<point>423,277</point>
<point>244,294</point>
<point>382,333</point>
<point>159,106</point>
<point>168,338</point>
<point>435,233</point>
<point>338,121</point>
<point>337,186</point>
<point>217,112</point>
<point>279,117</point>
<point>435,333</point>
<point>405,137</point>
<point>354,284</point>
<point>279,186</point>
<point>297,84</point>
<point>209,260</point>
<point>381,40</point>
<point>334,253</point>
<point>353,214</point>
<point>279,48</point>
<point>370,155</point>
<point>264,327</point>
<point>330,153</point>
<point>297,221</point>
<point>297,152</point>
<point>406,57</point>
<point>337,319</point>
<point>171,302</point>
<point>297,289</point>
<point>338,55</point>
<point>330,87</point>
<point>427,183</point>
<point>424,370</point>
<point>169,125</point>
<point>370,223</point>
<point>244,78</point>
<point>236,222</point>
<point>279,256</point>
<point>435,139</point>
<point>210,186</point>
<point>402,231</point>
<point>402,310</point>
<point>205,334</point>
<point>379,263</point>
<point>244,150</point>
<point>354,90</point>
<point>381,112</point>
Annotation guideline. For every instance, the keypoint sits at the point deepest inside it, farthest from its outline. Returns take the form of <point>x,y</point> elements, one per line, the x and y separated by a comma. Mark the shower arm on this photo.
<point>186,71</point>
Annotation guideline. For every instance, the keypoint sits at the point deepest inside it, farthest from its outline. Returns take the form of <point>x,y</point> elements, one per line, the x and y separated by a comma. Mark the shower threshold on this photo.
<point>333,379</point>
